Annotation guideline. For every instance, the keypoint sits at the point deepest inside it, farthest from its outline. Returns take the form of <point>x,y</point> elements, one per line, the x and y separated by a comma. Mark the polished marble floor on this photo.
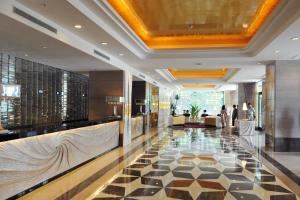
<point>195,164</point>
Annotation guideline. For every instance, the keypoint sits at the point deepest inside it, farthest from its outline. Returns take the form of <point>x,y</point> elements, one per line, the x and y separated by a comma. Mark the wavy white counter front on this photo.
<point>29,161</point>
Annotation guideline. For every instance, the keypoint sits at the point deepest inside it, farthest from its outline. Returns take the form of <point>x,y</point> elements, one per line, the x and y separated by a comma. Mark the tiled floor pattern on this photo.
<point>196,164</point>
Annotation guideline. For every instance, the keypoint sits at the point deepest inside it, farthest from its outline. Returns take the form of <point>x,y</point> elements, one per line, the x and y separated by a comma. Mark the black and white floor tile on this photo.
<point>202,164</point>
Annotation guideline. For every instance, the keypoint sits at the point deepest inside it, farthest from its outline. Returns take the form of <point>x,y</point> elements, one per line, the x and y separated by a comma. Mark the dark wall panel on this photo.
<point>48,94</point>
<point>138,92</point>
<point>101,84</point>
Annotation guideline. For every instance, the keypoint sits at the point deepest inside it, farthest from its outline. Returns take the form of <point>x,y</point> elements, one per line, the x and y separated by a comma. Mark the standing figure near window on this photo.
<point>224,117</point>
<point>234,114</point>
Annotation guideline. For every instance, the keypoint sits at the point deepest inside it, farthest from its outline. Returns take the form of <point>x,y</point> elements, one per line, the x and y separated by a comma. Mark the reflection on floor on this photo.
<point>288,159</point>
<point>196,164</point>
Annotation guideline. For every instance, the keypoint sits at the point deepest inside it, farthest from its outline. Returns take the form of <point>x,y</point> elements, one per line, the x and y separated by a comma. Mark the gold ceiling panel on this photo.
<point>198,73</point>
<point>164,24</point>
<point>199,86</point>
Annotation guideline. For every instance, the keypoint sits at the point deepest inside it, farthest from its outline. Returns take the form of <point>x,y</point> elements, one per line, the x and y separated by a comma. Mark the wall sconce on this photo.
<point>114,100</point>
<point>141,103</point>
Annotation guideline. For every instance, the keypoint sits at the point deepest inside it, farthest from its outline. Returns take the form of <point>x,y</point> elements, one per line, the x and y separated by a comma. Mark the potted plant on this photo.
<point>195,109</point>
<point>173,108</point>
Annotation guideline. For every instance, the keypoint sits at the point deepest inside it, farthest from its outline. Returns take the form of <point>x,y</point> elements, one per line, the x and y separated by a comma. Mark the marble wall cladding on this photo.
<point>48,94</point>
<point>164,117</point>
<point>287,99</point>
<point>230,98</point>
<point>29,161</point>
<point>136,126</point>
<point>246,93</point>
<point>269,98</point>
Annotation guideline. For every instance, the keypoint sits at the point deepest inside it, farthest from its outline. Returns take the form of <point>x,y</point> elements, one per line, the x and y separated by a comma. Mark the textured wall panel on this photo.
<point>48,94</point>
<point>164,117</point>
<point>29,161</point>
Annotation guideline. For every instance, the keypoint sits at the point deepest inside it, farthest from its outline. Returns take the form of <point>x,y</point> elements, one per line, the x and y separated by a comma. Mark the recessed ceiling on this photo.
<point>104,25</point>
<point>171,24</point>
<point>198,73</point>
<point>199,86</point>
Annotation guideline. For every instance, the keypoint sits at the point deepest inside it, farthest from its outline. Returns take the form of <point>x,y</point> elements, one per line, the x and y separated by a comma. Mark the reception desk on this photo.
<point>248,137</point>
<point>245,127</point>
<point>27,162</point>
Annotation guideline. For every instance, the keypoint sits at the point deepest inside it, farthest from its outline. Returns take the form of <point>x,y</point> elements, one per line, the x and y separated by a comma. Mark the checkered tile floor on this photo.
<point>196,164</point>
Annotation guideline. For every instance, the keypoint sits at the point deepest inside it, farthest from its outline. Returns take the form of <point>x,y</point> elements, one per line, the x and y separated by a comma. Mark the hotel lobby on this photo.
<point>150,99</point>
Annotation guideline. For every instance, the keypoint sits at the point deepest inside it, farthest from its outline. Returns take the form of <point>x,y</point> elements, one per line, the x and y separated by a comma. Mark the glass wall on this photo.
<point>210,101</point>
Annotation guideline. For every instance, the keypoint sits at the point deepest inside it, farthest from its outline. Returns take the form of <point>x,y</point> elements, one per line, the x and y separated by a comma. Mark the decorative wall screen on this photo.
<point>48,94</point>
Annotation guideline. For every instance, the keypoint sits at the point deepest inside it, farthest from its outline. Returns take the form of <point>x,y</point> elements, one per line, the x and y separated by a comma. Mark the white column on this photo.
<point>127,107</point>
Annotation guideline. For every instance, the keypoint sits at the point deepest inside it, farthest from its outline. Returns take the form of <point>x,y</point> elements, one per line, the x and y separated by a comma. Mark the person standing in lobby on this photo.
<point>250,112</point>
<point>224,117</point>
<point>234,114</point>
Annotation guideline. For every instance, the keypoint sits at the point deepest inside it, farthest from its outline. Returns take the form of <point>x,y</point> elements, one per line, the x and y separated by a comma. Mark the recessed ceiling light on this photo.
<point>245,25</point>
<point>276,51</point>
<point>44,47</point>
<point>26,55</point>
<point>78,26</point>
<point>104,43</point>
<point>259,63</point>
<point>295,38</point>
<point>121,54</point>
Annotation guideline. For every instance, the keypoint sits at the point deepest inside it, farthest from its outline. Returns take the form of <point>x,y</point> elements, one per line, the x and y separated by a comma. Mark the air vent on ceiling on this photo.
<point>101,55</point>
<point>141,75</point>
<point>34,20</point>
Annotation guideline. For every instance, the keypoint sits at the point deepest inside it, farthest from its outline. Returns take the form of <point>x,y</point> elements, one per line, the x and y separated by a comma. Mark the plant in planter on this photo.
<point>173,108</point>
<point>195,109</point>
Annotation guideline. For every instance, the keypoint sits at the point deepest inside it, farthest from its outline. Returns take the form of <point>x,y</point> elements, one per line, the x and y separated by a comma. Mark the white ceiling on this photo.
<point>100,26</point>
<point>20,40</point>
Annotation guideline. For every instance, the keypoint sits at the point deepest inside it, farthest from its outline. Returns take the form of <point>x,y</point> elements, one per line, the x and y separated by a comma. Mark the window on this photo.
<point>210,101</point>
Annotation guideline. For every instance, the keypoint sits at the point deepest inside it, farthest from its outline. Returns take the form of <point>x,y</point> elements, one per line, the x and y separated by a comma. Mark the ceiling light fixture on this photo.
<point>245,25</point>
<point>26,55</point>
<point>296,57</point>
<point>276,51</point>
<point>295,38</point>
<point>44,47</point>
<point>104,43</point>
<point>121,54</point>
<point>78,26</point>
<point>259,63</point>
